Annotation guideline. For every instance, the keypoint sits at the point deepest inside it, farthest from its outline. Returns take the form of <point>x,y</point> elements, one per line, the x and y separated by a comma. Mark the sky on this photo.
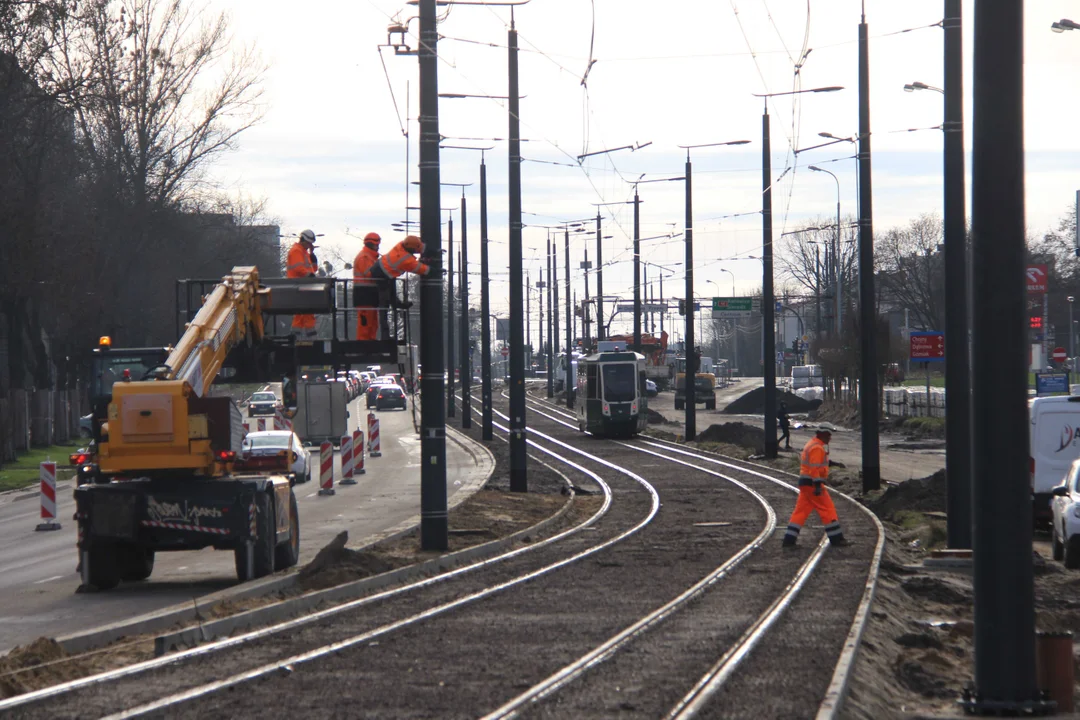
<point>330,153</point>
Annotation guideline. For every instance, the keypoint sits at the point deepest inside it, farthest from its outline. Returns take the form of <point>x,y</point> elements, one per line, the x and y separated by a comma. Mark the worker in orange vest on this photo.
<point>365,289</point>
<point>401,260</point>
<point>301,263</point>
<point>813,495</point>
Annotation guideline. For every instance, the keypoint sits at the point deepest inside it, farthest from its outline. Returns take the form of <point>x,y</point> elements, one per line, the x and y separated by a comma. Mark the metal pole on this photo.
<point>433,518</point>
<point>450,348</point>
<point>1004,577</point>
<point>839,271</point>
<point>691,353</point>
<point>768,332</point>
<point>1072,344</point>
<point>637,271</point>
<point>485,309</point>
<point>585,307</point>
<point>528,321</point>
<point>817,289</point>
<point>553,321</point>
<point>518,457</point>
<point>868,389</point>
<point>958,449</point>
<point>662,302</point>
<point>569,326</point>
<point>466,365</point>
<point>540,285</point>
<point>599,280</point>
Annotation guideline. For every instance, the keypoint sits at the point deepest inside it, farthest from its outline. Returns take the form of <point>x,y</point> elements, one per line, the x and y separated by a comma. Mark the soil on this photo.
<point>918,494</point>
<point>753,403</point>
<point>656,418</point>
<point>837,413</point>
<point>739,434</point>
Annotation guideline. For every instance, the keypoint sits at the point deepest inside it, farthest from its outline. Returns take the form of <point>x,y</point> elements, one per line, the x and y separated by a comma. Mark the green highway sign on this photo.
<point>735,307</point>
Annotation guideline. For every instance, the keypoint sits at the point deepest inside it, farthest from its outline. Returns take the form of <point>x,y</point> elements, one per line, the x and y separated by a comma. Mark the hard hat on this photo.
<point>413,244</point>
<point>372,240</point>
<point>308,236</point>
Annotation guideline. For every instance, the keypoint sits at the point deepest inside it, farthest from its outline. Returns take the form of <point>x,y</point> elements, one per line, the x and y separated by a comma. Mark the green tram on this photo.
<point>610,398</point>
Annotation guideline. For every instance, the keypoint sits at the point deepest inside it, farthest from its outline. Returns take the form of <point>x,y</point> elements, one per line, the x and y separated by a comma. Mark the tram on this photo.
<point>610,399</point>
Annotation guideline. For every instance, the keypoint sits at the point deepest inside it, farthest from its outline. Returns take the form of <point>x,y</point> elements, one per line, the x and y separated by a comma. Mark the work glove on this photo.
<point>314,260</point>
<point>817,488</point>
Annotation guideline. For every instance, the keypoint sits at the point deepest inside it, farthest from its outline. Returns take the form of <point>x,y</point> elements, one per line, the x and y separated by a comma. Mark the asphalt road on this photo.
<point>37,569</point>
<point>898,463</point>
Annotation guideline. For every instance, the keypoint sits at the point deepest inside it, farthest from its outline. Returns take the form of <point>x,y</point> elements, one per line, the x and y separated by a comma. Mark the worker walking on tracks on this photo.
<point>813,495</point>
<point>365,289</point>
<point>301,263</point>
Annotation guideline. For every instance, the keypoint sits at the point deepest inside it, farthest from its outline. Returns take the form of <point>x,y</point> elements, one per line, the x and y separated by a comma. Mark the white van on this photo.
<point>1055,443</point>
<point>804,376</point>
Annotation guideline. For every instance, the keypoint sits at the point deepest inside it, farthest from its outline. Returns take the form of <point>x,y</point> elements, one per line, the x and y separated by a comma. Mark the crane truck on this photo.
<point>166,471</point>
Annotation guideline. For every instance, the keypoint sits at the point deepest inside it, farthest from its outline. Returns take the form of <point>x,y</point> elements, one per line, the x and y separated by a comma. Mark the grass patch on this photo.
<point>24,472</point>
<point>924,427</point>
<point>917,381</point>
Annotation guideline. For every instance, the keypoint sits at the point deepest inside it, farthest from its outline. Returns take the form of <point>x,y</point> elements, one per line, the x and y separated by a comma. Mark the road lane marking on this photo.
<point>48,579</point>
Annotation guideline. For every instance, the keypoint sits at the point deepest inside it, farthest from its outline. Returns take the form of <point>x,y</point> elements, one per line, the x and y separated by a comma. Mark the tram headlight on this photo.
<point>607,409</point>
<point>633,408</point>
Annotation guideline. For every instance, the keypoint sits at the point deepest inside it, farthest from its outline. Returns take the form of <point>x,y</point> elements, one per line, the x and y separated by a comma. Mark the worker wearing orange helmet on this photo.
<point>401,259</point>
<point>813,496</point>
<point>301,263</point>
<point>365,289</point>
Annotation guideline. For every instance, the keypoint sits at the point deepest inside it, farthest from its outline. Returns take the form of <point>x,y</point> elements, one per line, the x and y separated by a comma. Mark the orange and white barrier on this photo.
<point>47,473</point>
<point>374,444</point>
<point>358,452</point>
<point>347,460</point>
<point>326,469</point>
<point>281,422</point>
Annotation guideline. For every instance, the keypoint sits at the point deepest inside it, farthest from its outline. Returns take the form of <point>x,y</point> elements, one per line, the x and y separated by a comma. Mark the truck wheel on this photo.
<point>138,562</point>
<point>1058,547</point>
<point>264,542</point>
<point>288,554</point>
<point>710,404</point>
<point>679,404</point>
<point>1072,553</point>
<point>104,566</point>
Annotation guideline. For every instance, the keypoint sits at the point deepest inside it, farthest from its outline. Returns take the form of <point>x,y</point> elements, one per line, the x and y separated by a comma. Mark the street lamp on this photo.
<point>1072,338</point>
<point>1063,24</point>
<point>912,87</point>
<point>767,301</point>
<point>836,252</point>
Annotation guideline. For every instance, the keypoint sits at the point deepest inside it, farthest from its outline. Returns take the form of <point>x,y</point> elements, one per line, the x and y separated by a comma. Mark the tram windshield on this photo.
<point>620,382</point>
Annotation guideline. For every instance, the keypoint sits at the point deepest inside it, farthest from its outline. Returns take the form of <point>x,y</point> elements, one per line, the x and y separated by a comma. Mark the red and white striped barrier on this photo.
<point>358,452</point>
<point>47,473</point>
<point>326,469</point>
<point>347,460</point>
<point>374,445</point>
<point>247,428</point>
<point>281,422</point>
<point>260,425</point>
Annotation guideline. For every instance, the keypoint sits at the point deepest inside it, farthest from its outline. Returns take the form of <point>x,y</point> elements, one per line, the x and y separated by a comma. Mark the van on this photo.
<point>804,376</point>
<point>1055,443</point>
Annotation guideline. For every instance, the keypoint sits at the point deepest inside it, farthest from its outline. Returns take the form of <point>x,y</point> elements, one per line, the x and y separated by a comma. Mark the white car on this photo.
<point>1065,518</point>
<point>270,450</point>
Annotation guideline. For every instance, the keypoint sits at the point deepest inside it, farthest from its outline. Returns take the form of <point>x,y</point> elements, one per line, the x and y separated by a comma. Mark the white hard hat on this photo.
<point>308,236</point>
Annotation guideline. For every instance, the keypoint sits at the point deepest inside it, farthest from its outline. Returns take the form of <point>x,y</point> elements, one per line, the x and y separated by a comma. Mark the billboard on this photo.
<point>1036,279</point>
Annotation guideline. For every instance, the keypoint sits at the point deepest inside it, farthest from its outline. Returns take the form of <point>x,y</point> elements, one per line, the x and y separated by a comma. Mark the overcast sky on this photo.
<point>330,154</point>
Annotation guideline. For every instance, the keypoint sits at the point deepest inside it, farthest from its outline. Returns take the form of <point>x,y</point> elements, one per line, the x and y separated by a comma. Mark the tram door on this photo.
<point>590,392</point>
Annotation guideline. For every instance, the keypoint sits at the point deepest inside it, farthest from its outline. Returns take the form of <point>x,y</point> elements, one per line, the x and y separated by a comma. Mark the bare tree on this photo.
<point>808,258</point>
<point>911,269</point>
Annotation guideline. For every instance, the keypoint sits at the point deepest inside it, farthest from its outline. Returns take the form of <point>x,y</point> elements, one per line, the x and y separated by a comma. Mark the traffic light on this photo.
<point>682,307</point>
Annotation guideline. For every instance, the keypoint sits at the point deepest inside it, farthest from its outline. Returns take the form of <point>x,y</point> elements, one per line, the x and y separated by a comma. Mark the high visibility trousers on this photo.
<point>821,504</point>
<point>367,324</point>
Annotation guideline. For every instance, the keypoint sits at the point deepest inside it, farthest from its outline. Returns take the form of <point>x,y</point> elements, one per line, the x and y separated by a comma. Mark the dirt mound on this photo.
<point>753,403</point>
<point>919,494</point>
<point>336,564</point>
<point>42,650</point>
<point>735,433</point>
<point>656,418</point>
<point>838,413</point>
<point>935,590</point>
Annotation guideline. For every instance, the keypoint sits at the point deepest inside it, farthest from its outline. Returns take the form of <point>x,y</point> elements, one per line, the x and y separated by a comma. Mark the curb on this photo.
<point>199,607</point>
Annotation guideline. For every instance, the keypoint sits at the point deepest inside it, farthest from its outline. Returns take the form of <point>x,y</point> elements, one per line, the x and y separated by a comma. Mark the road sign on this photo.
<point>733,307</point>
<point>505,351</point>
<point>1051,384</point>
<point>1059,355</point>
<point>1036,279</point>
<point>928,346</point>
<point>779,307</point>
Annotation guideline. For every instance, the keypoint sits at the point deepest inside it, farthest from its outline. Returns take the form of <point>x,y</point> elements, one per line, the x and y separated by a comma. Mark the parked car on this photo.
<point>270,450</point>
<point>1065,509</point>
<point>86,426</point>
<point>650,388</point>
<point>390,396</point>
<point>263,402</point>
<point>1054,445</point>
<point>373,391</point>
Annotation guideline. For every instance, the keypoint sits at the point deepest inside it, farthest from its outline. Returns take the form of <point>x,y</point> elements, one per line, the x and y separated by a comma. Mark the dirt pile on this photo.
<point>753,403</point>
<point>335,564</point>
<point>919,494</point>
<point>735,433</point>
<point>40,652</point>
<point>838,413</point>
<point>656,418</point>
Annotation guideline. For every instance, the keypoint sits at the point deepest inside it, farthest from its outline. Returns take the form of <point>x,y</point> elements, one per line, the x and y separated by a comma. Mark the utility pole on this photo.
<point>518,439</point>
<point>553,320</point>
<point>868,384</point>
<point>599,280</point>
<point>691,354</point>
<point>540,285</point>
<point>485,309</point>
<point>958,448</point>
<point>637,270</point>
<point>555,293</point>
<point>528,319</point>
<point>768,333</point>
<point>450,364</point>
<point>585,308</point>
<point>433,517</point>
<point>569,326</point>
<point>466,365</point>
<point>1004,582</point>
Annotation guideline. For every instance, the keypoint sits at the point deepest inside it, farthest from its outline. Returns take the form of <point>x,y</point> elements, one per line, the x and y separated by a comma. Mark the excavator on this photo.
<point>166,471</point>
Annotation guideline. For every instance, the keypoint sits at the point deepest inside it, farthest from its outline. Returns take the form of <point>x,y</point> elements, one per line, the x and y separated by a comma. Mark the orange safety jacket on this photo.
<point>814,463</point>
<point>363,262</point>
<point>299,263</point>
<point>399,261</point>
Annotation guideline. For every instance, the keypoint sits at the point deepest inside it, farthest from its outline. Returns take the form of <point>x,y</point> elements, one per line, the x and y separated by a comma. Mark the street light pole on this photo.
<point>836,253</point>
<point>466,365</point>
<point>1072,335</point>
<point>518,457</point>
<point>599,279</point>
<point>485,308</point>
<point>637,270</point>
<point>569,326</point>
<point>450,349</point>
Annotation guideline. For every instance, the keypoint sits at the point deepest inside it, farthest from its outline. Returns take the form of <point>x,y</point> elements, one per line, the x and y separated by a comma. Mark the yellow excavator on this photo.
<point>166,471</point>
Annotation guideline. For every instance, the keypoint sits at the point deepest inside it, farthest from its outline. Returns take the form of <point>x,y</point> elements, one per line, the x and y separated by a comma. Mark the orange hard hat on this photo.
<point>413,244</point>
<point>372,237</point>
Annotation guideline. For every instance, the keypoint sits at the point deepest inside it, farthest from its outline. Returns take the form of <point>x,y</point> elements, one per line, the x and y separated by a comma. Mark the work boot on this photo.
<point>841,541</point>
<point>788,543</point>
